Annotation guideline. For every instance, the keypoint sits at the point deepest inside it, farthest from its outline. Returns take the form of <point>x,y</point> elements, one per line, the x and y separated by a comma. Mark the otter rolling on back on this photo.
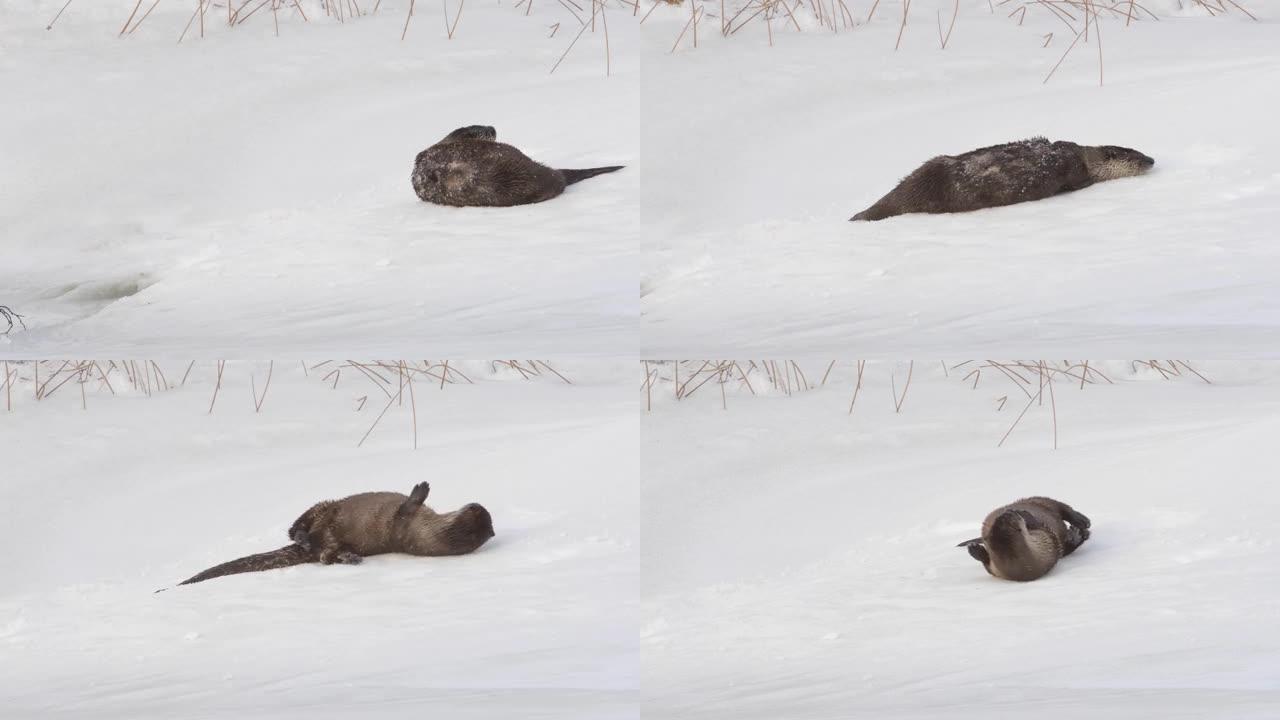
<point>1025,539</point>
<point>350,529</point>
<point>470,167</point>
<point>1004,175</point>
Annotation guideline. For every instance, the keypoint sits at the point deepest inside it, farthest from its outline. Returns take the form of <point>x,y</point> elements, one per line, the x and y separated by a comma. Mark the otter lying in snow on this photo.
<point>1005,174</point>
<point>373,523</point>
<point>1024,540</point>
<point>470,167</point>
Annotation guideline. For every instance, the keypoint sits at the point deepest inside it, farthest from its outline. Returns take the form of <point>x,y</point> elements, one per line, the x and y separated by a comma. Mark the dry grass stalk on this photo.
<point>684,30</point>
<point>648,386</point>
<point>608,57</point>
<point>897,401</point>
<point>1053,406</point>
<point>906,8</point>
<point>862,365</point>
<point>8,315</point>
<point>944,39</point>
<point>408,17</point>
<point>413,401</point>
<point>695,10</point>
<point>217,386</point>
<point>142,19</point>
<point>565,54</point>
<point>827,373</point>
<point>257,401</point>
<point>1035,379</point>
<point>55,17</point>
<point>136,7</point>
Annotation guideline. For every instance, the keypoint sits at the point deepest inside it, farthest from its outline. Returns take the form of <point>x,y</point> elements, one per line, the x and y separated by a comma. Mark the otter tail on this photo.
<point>873,213</point>
<point>284,557</point>
<point>573,176</point>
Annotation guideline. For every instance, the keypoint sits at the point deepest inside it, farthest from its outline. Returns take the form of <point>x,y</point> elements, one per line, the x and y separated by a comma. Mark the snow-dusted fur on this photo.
<point>470,167</point>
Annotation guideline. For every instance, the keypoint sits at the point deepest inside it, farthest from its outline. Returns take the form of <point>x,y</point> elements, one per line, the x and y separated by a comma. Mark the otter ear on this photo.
<point>472,132</point>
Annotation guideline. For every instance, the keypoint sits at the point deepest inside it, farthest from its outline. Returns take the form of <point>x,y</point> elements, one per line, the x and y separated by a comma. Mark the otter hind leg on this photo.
<point>1068,513</point>
<point>412,503</point>
<point>403,519</point>
<point>419,493</point>
<point>1076,519</point>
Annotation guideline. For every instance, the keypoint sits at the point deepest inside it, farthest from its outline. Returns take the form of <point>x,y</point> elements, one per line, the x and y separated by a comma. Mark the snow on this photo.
<point>249,194</point>
<point>776,147</point>
<point>106,505</point>
<point>802,563</point>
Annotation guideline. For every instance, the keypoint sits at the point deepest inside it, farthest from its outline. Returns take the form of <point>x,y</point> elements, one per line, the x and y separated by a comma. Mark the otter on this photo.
<point>373,523</point>
<point>1024,540</point>
<point>1004,175</point>
<point>470,167</point>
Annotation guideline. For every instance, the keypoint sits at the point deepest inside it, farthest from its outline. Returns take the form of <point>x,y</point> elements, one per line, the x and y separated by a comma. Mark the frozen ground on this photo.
<point>248,194</point>
<point>104,506</point>
<point>799,562</point>
<point>751,251</point>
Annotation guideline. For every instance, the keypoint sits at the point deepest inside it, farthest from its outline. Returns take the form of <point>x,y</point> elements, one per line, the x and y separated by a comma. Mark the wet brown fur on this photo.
<point>1004,175</point>
<point>1024,540</point>
<point>469,167</point>
<point>374,523</point>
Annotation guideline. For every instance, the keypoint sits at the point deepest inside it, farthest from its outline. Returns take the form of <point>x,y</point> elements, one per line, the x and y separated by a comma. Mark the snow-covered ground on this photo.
<point>246,194</point>
<point>769,150</point>
<point>105,505</point>
<point>799,562</point>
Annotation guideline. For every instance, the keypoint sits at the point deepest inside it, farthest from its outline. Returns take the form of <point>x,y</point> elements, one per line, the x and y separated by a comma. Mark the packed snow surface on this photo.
<point>750,251</point>
<point>106,505</point>
<point>249,194</point>
<point>800,562</point>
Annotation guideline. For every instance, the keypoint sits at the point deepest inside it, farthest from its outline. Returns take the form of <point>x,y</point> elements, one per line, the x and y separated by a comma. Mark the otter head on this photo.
<point>472,132</point>
<point>470,527</point>
<point>1009,524</point>
<point>1108,162</point>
